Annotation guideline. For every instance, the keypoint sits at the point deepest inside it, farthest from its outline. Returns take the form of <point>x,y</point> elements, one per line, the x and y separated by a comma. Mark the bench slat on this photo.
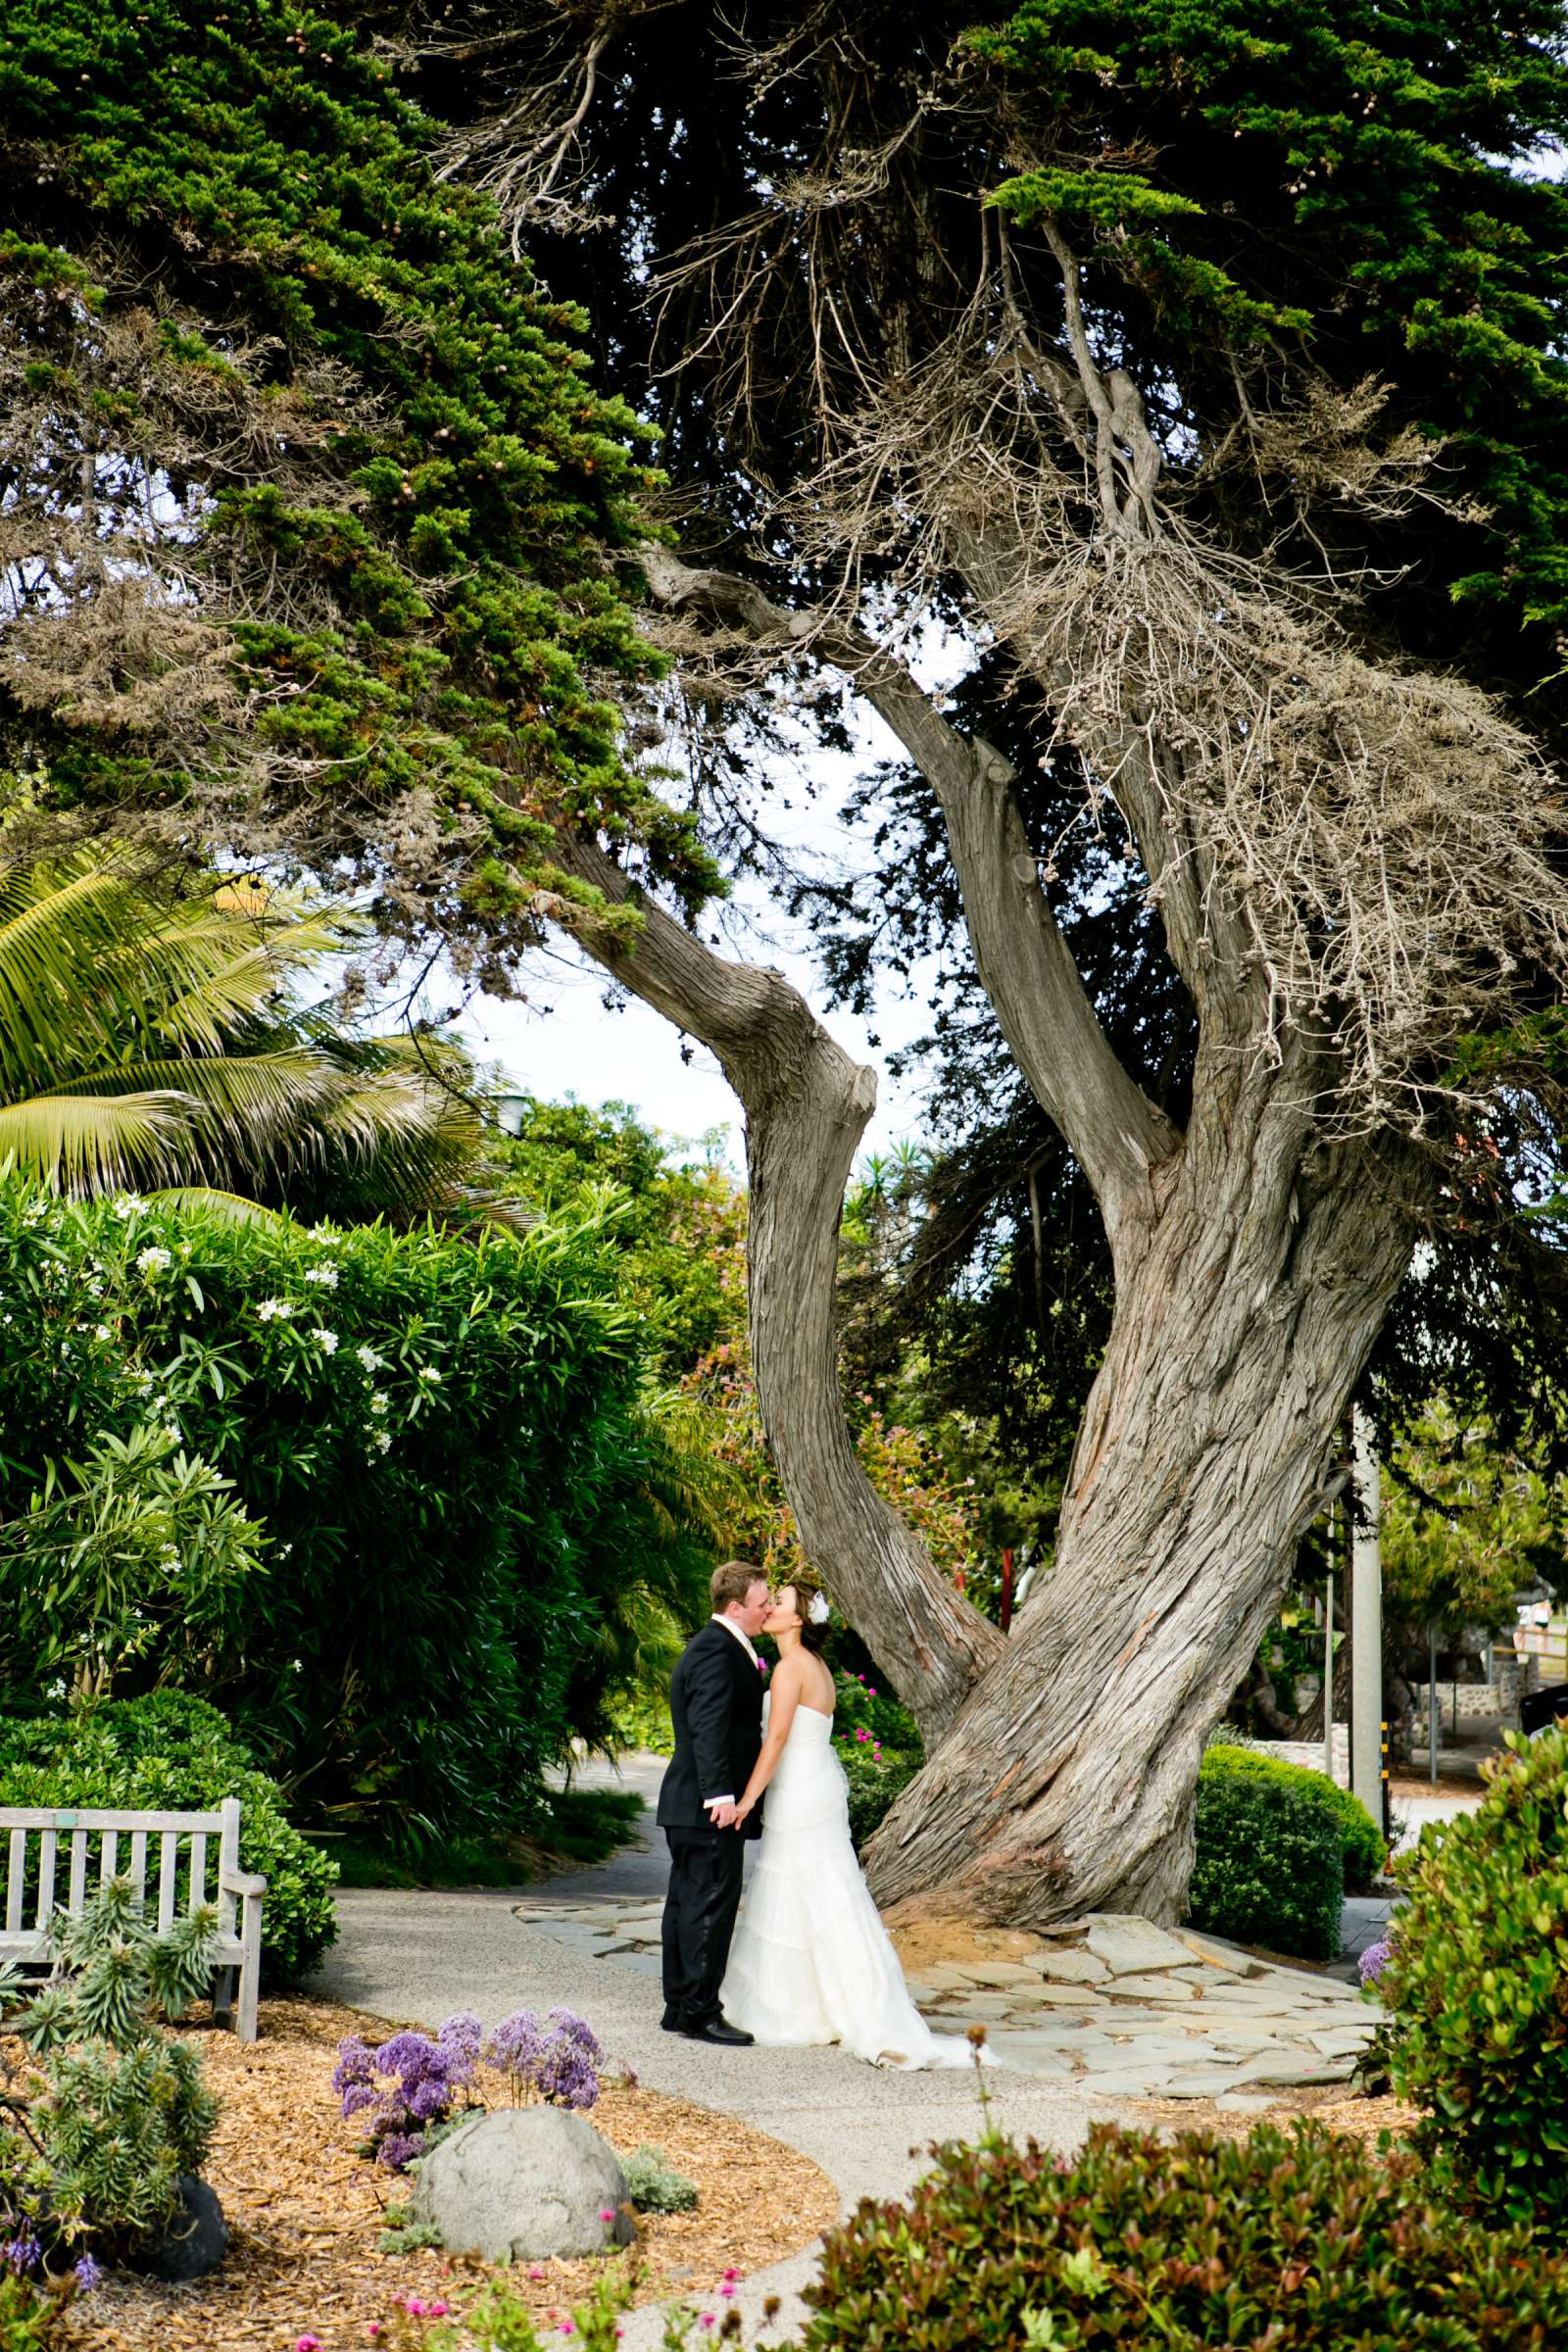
<point>198,1871</point>
<point>138,1863</point>
<point>168,1864</point>
<point>67,1817</point>
<point>48,1843</point>
<point>79,1870</point>
<point>14,1880</point>
<point>111,1852</point>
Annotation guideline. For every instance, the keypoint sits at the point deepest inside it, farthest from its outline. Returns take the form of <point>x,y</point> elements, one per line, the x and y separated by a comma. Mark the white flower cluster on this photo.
<point>325,1340</point>
<point>326,1276</point>
<point>273,1310</point>
<point>153,1259</point>
<point>369,1359</point>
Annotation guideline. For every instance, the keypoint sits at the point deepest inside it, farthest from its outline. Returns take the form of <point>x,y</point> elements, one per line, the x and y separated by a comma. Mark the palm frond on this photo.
<point>232,1208</point>
<point>95,1143</point>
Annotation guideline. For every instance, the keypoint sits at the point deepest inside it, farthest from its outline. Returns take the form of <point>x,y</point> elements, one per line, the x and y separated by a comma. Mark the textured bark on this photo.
<point>1066,1785</point>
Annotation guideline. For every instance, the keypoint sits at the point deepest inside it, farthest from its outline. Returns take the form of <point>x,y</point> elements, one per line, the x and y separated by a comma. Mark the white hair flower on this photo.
<point>818,1612</point>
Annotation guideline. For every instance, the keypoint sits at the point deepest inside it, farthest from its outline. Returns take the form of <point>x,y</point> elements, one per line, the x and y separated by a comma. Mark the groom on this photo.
<point>716,1704</point>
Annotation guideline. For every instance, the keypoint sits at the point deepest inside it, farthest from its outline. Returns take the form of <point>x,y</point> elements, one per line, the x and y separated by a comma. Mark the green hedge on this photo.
<point>1269,1866</point>
<point>171,1752</point>
<point>1302,2242</point>
<point>1476,1987</point>
<point>1365,1849</point>
<point>449,1518</point>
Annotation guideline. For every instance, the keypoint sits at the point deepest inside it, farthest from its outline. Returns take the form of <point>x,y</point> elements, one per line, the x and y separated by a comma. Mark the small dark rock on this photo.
<point>194,2242</point>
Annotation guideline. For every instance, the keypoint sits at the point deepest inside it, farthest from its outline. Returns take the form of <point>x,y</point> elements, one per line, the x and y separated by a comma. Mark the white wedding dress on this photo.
<point>810,1959</point>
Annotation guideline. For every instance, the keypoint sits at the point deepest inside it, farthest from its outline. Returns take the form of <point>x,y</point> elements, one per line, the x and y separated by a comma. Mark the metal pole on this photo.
<point>1433,1702</point>
<point>1366,1620</point>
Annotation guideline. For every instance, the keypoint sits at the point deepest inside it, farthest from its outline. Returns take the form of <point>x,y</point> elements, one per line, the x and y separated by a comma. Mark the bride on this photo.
<point>811,1961</point>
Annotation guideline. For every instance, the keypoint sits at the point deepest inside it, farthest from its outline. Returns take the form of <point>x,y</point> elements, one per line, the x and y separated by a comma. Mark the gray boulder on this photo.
<point>192,2243</point>
<point>522,2184</point>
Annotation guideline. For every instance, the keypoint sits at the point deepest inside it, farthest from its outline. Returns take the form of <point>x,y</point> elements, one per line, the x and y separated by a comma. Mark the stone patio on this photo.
<point>1111,2006</point>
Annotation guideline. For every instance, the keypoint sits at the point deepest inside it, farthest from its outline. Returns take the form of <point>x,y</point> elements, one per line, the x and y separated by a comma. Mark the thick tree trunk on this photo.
<point>1066,1784</point>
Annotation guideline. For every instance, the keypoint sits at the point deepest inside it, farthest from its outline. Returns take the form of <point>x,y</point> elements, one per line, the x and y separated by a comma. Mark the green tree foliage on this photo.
<point>324,523</point>
<point>1466,1522</point>
<point>468,1505</point>
<point>146,1038</point>
<point>1323,239</point>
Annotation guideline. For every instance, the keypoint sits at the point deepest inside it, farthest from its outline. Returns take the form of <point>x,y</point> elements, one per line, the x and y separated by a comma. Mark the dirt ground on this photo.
<point>305,2210</point>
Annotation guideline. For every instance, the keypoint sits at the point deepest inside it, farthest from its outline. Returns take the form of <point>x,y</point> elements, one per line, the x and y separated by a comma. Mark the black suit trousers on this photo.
<point>704,1895</point>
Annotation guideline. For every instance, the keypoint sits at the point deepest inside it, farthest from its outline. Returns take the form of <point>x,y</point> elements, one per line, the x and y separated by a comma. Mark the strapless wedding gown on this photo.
<point>810,1959</point>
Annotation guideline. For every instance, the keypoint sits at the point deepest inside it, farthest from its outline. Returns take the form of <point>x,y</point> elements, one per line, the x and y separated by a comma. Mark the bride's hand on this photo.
<point>748,1804</point>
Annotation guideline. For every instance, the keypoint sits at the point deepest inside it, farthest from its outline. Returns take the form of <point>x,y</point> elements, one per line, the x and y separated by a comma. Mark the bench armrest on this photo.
<point>242,1882</point>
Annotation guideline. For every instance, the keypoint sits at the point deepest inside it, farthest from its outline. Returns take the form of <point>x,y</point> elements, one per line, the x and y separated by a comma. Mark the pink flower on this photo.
<point>869,1691</point>
<point>731,2275</point>
<point>568,2328</point>
<point>414,2307</point>
<point>726,2291</point>
<point>438,2310</point>
<point>607,2213</point>
<point>707,2319</point>
<point>862,1735</point>
<point>307,2343</point>
<point>536,2272</point>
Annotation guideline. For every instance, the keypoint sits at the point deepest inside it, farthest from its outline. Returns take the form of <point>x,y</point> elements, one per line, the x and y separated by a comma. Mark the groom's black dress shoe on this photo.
<point>673,2022</point>
<point>719,2030</point>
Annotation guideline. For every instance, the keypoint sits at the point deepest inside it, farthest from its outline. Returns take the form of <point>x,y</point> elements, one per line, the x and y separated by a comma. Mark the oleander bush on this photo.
<point>1298,2242</point>
<point>1475,1984</point>
<point>1366,1851</point>
<point>1269,1865</point>
<point>398,1503</point>
<point>171,1752</point>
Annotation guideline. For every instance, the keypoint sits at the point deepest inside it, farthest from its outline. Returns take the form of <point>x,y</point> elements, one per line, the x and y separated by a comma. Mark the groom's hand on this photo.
<point>722,1812</point>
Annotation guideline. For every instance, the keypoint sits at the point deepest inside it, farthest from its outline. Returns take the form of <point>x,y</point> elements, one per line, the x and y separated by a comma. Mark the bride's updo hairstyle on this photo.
<point>811,1607</point>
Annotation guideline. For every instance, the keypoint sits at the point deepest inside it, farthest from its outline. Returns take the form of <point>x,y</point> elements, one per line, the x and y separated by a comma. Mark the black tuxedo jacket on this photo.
<point>716,1704</point>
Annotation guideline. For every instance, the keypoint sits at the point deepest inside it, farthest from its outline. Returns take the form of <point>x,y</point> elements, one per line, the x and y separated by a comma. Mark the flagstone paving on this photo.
<point>1114,2005</point>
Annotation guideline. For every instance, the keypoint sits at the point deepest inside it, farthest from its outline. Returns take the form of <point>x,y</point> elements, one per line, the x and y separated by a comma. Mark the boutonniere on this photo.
<point>762,1665</point>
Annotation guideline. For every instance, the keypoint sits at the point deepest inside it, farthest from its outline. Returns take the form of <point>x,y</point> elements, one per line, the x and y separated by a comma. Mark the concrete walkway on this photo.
<point>1092,2022</point>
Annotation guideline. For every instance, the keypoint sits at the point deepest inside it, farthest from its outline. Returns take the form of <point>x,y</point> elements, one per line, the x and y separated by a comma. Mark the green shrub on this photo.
<point>171,1752</point>
<point>1366,1851</point>
<point>1269,1866</point>
<point>1302,2242</point>
<point>654,2186</point>
<point>1476,1986</point>
<point>875,1781</point>
<point>115,2111</point>
<point>452,1523</point>
<point>29,2315</point>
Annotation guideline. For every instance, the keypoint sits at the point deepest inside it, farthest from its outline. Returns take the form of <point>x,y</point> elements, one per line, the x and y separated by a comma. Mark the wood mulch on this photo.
<point>305,2211</point>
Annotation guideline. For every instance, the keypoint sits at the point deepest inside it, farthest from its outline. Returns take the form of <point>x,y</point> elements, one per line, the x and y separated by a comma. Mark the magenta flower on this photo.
<point>607,2213</point>
<point>307,2343</point>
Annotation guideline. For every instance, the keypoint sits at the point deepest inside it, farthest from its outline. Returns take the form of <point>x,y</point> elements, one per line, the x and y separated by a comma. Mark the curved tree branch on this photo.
<point>806,1106</point>
<point>1118,1135</point>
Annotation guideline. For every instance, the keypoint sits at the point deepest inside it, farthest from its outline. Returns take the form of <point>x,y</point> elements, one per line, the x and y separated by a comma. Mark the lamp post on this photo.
<point>1367,1619</point>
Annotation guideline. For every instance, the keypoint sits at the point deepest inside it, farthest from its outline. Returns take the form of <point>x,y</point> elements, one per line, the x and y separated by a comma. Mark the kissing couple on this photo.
<point>808,1958</point>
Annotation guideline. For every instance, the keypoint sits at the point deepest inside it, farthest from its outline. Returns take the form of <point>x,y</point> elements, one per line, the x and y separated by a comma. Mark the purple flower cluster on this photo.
<point>416,2082</point>
<point>1375,1959</point>
<point>560,2064</point>
<point>23,2253</point>
<point>87,2274</point>
<point>422,2081</point>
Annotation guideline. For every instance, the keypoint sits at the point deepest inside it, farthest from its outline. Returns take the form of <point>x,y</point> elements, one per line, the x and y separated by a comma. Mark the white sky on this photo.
<point>632,1054</point>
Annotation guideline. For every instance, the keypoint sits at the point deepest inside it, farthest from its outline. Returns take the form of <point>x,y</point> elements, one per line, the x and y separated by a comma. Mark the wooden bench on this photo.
<point>64,1838</point>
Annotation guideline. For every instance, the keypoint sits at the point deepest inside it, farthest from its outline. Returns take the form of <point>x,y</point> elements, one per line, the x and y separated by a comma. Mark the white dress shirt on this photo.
<point>745,1640</point>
